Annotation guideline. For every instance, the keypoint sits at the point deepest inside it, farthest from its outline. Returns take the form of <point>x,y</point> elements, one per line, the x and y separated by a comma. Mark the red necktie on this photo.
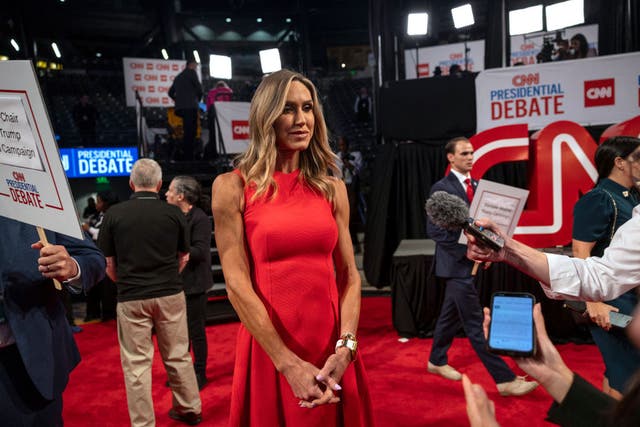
<point>469,190</point>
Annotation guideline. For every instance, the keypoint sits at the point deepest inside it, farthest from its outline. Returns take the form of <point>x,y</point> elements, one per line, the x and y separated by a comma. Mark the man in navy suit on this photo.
<point>37,350</point>
<point>461,303</point>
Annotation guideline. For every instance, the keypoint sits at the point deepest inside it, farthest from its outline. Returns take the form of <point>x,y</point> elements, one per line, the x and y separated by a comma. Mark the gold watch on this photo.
<point>348,340</point>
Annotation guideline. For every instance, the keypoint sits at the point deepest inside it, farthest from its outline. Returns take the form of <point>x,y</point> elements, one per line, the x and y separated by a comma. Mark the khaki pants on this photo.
<point>135,322</point>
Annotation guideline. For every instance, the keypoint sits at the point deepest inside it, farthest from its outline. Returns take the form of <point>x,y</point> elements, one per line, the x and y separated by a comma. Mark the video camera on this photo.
<point>554,48</point>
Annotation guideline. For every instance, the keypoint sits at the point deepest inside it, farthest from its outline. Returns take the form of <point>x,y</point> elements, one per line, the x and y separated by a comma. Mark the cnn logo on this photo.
<point>240,129</point>
<point>599,92</point>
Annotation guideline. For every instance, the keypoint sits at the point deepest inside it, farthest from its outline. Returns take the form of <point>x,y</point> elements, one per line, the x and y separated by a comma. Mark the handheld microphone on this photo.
<point>451,213</point>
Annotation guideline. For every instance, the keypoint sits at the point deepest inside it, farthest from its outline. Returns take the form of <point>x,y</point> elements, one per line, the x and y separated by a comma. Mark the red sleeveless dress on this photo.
<point>290,241</point>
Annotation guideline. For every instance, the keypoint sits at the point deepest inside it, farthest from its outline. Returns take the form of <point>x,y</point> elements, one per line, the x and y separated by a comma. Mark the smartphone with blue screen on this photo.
<point>512,331</point>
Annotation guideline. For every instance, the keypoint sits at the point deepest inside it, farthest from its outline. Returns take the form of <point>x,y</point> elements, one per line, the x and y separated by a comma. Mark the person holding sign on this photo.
<point>37,350</point>
<point>461,303</point>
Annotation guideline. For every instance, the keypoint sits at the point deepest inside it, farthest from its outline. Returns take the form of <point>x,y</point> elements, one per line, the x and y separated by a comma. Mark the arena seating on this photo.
<point>116,124</point>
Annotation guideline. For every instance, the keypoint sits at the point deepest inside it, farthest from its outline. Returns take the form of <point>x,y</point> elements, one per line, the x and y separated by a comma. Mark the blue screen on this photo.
<point>94,162</point>
<point>511,323</point>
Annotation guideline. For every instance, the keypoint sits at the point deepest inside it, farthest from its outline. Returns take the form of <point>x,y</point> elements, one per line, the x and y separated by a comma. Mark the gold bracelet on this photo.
<point>349,341</point>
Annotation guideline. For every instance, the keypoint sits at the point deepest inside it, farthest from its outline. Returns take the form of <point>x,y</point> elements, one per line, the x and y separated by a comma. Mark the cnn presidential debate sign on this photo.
<point>33,186</point>
<point>95,162</point>
<point>151,78</point>
<point>590,91</point>
<point>428,58</point>
<point>557,100</point>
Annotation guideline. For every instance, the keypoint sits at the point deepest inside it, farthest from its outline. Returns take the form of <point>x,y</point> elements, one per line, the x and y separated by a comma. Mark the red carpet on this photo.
<point>403,393</point>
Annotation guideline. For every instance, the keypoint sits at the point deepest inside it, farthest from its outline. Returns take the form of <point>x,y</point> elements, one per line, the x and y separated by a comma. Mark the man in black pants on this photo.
<point>186,92</point>
<point>461,303</point>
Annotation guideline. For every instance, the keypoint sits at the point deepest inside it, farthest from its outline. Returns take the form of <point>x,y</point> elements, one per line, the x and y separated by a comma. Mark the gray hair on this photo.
<point>188,187</point>
<point>146,173</point>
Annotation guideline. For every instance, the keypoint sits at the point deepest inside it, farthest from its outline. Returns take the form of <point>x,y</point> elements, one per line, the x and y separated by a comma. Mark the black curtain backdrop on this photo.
<point>435,108</point>
<point>493,49</point>
<point>618,30</point>
<point>380,233</point>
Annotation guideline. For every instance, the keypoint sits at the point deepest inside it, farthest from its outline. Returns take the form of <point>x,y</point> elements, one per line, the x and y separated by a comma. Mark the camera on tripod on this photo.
<point>547,50</point>
<point>554,48</point>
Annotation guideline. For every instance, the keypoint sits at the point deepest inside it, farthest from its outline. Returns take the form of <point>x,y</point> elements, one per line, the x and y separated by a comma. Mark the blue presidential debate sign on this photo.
<point>94,162</point>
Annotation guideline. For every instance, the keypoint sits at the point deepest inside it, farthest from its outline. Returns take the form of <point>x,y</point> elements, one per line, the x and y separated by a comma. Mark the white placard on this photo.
<point>589,91</point>
<point>233,118</point>
<point>428,58</point>
<point>152,78</point>
<point>33,185</point>
<point>18,146</point>
<point>503,204</point>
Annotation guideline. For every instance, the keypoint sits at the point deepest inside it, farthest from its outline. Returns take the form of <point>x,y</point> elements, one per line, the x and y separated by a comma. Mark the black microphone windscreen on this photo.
<point>447,210</point>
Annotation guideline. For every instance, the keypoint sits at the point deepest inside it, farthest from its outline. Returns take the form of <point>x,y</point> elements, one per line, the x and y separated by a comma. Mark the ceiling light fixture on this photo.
<point>56,51</point>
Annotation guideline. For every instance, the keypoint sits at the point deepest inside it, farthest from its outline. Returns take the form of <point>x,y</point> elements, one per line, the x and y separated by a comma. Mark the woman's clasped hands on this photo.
<point>315,386</point>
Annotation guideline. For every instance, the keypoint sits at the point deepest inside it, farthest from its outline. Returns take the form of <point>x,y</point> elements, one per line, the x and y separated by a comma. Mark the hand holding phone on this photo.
<point>620,320</point>
<point>616,319</point>
<point>511,331</point>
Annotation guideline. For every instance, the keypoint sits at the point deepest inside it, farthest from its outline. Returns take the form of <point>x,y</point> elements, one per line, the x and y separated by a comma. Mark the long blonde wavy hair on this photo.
<point>258,163</point>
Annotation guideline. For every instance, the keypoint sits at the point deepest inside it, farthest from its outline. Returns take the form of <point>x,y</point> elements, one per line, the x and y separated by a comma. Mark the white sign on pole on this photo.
<point>152,78</point>
<point>233,118</point>
<point>589,91</point>
<point>16,139</point>
<point>428,58</point>
<point>33,185</point>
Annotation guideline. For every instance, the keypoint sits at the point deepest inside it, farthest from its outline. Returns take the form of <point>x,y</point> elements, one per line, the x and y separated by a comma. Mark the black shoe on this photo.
<point>202,381</point>
<point>190,418</point>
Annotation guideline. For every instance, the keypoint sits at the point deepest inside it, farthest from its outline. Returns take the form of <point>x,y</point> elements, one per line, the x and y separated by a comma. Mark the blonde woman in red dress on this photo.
<point>282,232</point>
